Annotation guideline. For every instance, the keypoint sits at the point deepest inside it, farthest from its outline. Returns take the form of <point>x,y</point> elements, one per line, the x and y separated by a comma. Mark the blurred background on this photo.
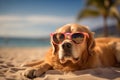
<point>28,23</point>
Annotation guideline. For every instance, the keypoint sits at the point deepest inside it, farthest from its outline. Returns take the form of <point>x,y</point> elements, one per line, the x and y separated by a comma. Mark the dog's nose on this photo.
<point>66,45</point>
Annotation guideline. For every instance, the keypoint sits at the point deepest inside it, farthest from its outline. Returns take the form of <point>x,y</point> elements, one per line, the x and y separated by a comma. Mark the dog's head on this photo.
<point>72,42</point>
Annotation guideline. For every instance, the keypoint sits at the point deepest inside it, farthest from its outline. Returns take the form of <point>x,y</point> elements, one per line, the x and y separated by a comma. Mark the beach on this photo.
<point>11,59</point>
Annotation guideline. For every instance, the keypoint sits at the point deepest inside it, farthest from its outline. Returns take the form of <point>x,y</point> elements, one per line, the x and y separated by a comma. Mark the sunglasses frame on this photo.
<point>69,34</point>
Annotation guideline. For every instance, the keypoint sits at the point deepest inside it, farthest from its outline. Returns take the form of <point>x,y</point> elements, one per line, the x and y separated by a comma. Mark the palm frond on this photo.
<point>87,13</point>
<point>115,13</point>
<point>116,3</point>
<point>95,3</point>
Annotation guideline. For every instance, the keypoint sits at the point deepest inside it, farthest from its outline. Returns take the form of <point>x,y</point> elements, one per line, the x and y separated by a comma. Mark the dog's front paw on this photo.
<point>29,73</point>
<point>32,73</point>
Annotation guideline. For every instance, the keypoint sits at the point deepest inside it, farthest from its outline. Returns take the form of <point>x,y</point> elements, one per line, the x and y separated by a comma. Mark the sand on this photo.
<point>12,58</point>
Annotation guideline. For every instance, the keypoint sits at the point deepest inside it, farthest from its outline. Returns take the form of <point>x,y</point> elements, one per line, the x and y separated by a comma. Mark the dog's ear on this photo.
<point>91,43</point>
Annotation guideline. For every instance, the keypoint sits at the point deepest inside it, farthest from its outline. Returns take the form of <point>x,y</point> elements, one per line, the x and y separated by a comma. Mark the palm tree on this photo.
<point>105,8</point>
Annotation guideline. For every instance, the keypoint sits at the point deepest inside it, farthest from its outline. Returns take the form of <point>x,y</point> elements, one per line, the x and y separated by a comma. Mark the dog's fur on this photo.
<point>92,53</point>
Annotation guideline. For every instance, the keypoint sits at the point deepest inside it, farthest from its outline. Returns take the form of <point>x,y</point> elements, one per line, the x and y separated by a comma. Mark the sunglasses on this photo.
<point>78,38</point>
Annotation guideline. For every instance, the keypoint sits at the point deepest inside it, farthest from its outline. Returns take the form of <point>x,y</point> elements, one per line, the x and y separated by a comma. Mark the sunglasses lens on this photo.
<point>77,37</point>
<point>58,38</point>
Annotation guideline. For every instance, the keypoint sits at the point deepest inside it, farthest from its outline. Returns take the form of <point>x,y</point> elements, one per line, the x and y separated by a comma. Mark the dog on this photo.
<point>75,48</point>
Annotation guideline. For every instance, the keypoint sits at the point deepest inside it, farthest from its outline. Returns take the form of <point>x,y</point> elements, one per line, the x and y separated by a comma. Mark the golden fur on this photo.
<point>92,53</point>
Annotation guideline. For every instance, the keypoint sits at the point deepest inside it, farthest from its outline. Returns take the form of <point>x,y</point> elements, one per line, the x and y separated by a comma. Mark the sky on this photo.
<point>38,18</point>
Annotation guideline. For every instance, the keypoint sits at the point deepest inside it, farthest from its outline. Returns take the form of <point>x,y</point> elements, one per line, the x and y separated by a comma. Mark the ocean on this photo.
<point>21,42</point>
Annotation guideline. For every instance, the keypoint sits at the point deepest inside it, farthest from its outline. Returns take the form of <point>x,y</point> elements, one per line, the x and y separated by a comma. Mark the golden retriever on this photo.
<point>75,48</point>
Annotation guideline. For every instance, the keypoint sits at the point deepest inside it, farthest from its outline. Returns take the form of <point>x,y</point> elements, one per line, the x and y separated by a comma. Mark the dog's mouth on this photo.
<point>66,59</point>
<point>66,55</point>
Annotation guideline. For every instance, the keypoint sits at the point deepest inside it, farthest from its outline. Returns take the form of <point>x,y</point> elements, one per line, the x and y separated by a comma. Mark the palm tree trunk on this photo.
<point>106,32</point>
<point>118,24</point>
<point>118,28</point>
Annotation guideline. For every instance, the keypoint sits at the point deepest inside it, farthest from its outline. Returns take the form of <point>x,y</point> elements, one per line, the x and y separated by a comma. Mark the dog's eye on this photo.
<point>58,38</point>
<point>61,36</point>
<point>77,37</point>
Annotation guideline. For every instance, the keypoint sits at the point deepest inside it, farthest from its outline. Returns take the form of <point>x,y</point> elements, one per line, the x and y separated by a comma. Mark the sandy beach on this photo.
<point>12,58</point>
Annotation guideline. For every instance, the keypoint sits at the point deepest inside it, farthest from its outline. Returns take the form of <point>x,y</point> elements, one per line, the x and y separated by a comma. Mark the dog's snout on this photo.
<point>67,45</point>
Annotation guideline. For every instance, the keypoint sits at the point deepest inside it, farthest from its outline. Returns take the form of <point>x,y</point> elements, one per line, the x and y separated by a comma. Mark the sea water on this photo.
<point>20,42</point>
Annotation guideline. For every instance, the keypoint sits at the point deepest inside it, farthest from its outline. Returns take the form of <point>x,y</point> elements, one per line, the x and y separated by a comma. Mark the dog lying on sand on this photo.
<point>73,47</point>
